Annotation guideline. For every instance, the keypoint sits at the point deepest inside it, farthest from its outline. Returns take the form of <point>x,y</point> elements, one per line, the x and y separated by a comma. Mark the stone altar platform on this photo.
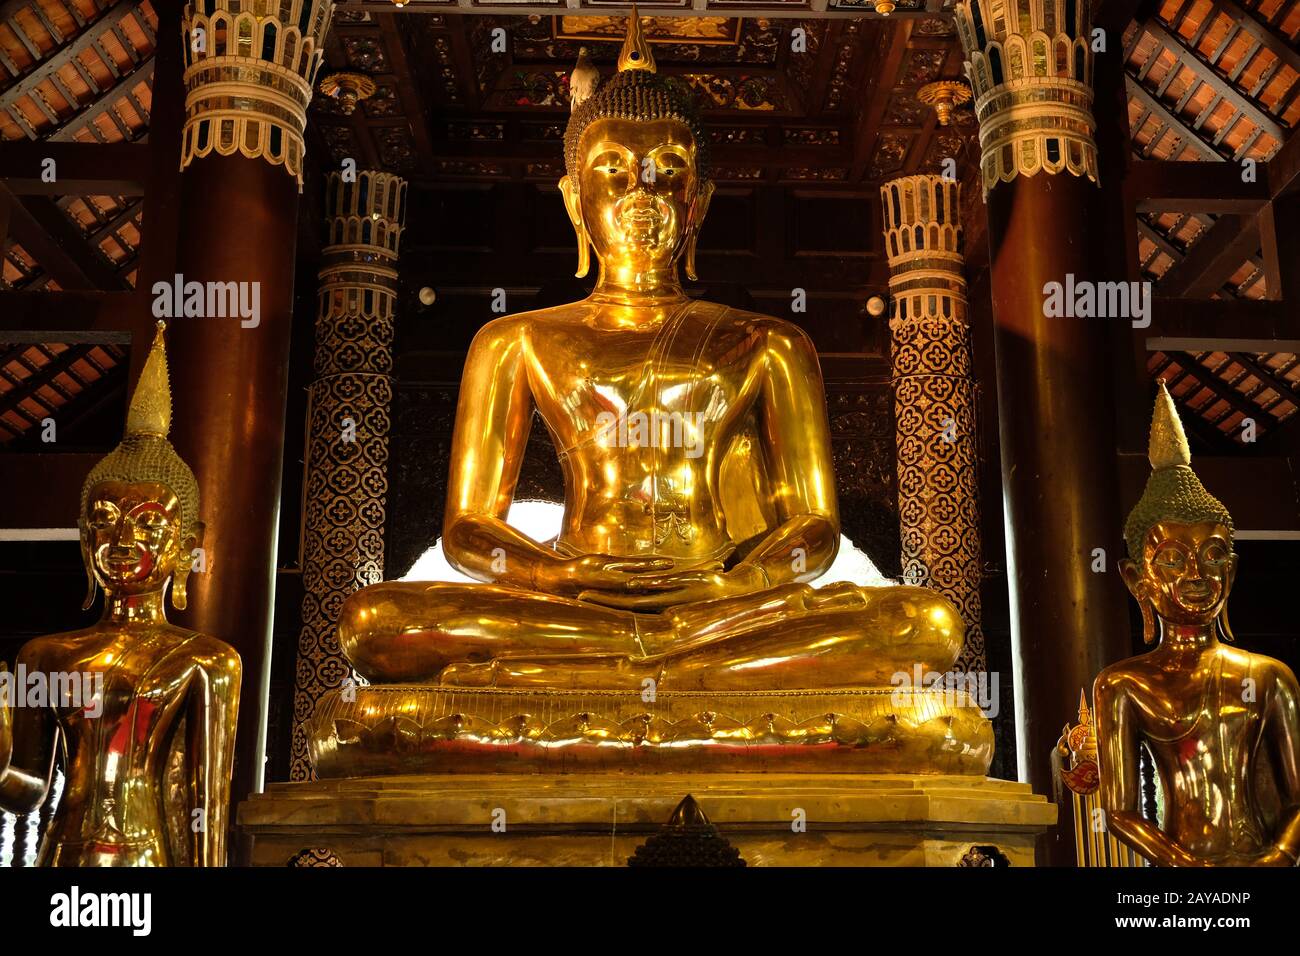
<point>599,819</point>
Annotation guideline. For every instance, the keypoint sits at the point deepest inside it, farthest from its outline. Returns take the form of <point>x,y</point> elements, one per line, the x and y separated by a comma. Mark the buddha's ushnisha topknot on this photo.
<point>145,454</point>
<point>635,92</point>
<point>1173,492</point>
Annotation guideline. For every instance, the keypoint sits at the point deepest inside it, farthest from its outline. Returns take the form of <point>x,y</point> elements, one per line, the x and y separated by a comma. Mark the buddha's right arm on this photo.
<point>1121,783</point>
<point>26,754</point>
<point>493,418</point>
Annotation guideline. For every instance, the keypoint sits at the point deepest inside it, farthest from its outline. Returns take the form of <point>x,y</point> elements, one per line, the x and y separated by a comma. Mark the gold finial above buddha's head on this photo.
<point>636,53</point>
<point>1167,446</point>
<point>1173,492</point>
<point>151,405</point>
<point>145,454</point>
<point>636,92</point>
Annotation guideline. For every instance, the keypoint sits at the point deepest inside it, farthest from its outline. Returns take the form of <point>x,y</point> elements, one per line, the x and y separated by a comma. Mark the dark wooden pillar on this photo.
<point>1056,410</point>
<point>230,372</point>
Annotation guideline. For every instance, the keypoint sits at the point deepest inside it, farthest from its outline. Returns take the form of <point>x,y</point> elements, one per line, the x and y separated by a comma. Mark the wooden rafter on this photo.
<point>1284,388</point>
<point>1191,59</point>
<point>1213,258</point>
<point>70,51</point>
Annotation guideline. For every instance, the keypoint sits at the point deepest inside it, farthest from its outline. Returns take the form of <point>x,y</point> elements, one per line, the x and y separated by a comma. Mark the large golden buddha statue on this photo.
<point>1223,725</point>
<point>144,712</point>
<point>699,504</point>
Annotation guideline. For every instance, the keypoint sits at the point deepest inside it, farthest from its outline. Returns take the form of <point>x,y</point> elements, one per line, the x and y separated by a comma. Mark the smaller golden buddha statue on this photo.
<point>1222,725</point>
<point>145,718</point>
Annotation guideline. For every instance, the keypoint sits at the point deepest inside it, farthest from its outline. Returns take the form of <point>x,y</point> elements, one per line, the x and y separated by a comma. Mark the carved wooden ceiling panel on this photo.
<point>785,99</point>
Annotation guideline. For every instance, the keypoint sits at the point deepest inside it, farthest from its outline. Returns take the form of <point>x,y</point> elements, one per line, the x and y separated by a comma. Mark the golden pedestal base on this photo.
<point>419,729</point>
<point>600,819</point>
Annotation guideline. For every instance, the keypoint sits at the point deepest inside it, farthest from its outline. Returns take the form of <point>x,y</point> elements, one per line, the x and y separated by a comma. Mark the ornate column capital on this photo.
<point>358,274</point>
<point>1029,63</point>
<point>249,70</point>
<point>923,231</point>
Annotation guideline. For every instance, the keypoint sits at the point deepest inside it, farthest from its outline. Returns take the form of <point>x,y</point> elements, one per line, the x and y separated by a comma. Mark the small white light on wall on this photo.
<point>428,296</point>
<point>875,306</point>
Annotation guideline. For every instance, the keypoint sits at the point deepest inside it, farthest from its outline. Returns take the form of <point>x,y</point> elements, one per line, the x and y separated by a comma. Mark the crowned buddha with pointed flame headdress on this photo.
<point>145,454</point>
<point>1173,492</point>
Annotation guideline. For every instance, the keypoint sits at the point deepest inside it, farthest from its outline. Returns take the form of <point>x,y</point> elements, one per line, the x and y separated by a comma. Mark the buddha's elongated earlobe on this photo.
<point>1132,577</point>
<point>92,587</point>
<point>584,253</point>
<point>573,204</point>
<point>698,210</point>
<point>1225,628</point>
<point>179,580</point>
<point>191,551</point>
<point>91,584</point>
<point>1148,621</point>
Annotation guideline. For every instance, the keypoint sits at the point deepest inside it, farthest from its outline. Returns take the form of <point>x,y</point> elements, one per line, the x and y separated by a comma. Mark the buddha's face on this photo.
<point>131,535</point>
<point>1187,571</point>
<point>638,196</point>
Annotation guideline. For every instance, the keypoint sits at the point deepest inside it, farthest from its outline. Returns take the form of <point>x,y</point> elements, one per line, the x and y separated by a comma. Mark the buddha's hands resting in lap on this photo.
<point>599,573</point>
<point>657,591</point>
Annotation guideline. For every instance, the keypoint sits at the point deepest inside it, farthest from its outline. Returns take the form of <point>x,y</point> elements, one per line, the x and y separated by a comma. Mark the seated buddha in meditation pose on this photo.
<point>1223,725</point>
<point>693,437</point>
<point>147,762</point>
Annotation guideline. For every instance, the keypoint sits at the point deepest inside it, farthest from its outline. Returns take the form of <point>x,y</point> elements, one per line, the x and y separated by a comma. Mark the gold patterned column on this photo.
<point>934,397</point>
<point>249,70</point>
<point>348,415</point>
<point>1030,66</point>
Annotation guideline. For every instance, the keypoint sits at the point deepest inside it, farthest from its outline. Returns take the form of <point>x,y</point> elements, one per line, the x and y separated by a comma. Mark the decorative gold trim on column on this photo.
<point>249,70</point>
<point>934,397</point>
<point>1030,65</point>
<point>346,482</point>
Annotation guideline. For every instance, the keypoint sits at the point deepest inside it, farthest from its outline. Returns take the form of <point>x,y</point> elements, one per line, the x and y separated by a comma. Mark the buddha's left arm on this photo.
<point>797,452</point>
<point>210,754</point>
<point>1282,735</point>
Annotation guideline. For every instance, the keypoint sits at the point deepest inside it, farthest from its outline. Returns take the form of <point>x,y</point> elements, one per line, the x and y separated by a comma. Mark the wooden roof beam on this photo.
<point>57,244</point>
<point>1210,261</point>
<point>115,169</point>
<point>1206,325</point>
<point>1171,186</point>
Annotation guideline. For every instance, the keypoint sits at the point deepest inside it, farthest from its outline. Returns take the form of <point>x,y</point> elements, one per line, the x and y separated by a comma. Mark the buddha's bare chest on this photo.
<point>1195,719</point>
<point>113,699</point>
<point>640,386</point>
